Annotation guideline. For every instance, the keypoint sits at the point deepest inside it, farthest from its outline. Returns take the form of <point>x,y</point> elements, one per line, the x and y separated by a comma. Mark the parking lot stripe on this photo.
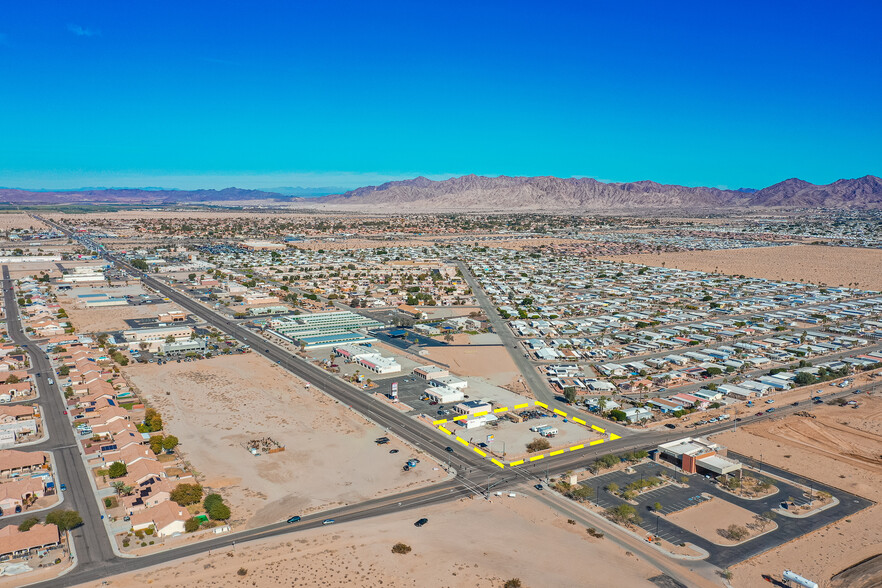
<point>578,420</point>
<point>439,422</point>
<point>479,452</point>
<point>497,462</point>
<point>596,442</point>
<point>463,441</point>
<point>524,405</point>
<point>558,452</point>
<point>575,447</point>
<point>503,409</point>
<point>537,458</point>
<point>560,412</point>
<point>596,428</point>
<point>516,463</point>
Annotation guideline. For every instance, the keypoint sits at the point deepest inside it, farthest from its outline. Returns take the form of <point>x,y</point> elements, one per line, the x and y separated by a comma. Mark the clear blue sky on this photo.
<point>263,94</point>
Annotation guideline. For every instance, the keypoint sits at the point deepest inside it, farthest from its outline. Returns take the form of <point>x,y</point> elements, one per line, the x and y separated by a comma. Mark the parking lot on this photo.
<point>674,499</point>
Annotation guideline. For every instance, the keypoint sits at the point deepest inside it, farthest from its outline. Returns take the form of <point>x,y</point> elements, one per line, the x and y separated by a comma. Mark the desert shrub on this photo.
<point>401,548</point>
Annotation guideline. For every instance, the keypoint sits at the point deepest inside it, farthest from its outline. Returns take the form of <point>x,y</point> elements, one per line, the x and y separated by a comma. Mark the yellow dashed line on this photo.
<point>558,452</point>
<point>516,463</point>
<point>578,420</point>
<point>503,409</point>
<point>596,442</point>
<point>479,452</point>
<point>439,422</point>
<point>575,447</point>
<point>497,462</point>
<point>560,412</point>
<point>463,441</point>
<point>542,404</point>
<point>460,417</point>
<point>537,458</point>
<point>596,428</point>
<point>524,405</point>
<point>445,431</point>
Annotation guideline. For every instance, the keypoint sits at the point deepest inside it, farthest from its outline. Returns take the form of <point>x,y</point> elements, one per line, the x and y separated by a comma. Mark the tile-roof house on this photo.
<point>167,517</point>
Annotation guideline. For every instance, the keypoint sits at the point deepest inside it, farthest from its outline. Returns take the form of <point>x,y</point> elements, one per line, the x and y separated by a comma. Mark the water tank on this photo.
<point>799,580</point>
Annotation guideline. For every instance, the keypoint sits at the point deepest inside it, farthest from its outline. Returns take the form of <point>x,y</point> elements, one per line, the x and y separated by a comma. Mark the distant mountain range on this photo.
<point>550,194</point>
<point>497,194</point>
<point>136,196</point>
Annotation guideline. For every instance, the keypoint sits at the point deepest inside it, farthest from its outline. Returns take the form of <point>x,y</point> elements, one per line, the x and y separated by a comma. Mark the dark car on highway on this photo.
<point>293,519</point>
<point>448,449</point>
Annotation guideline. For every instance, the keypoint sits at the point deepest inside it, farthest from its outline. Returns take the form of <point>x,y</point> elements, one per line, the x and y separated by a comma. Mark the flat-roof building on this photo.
<point>698,456</point>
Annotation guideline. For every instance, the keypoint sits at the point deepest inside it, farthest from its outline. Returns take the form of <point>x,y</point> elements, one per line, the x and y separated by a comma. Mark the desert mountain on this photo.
<point>500,194</point>
<point>550,194</point>
<point>865,192</point>
<point>136,196</point>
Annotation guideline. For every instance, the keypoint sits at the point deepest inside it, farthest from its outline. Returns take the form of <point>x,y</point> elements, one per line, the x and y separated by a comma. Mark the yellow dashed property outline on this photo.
<point>440,422</point>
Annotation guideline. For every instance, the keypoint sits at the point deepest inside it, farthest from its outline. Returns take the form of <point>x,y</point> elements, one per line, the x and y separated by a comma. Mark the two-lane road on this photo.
<point>90,540</point>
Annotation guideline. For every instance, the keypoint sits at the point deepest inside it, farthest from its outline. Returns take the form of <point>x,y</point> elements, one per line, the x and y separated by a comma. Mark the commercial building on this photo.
<point>471,407</point>
<point>698,456</point>
<point>430,372</point>
<point>185,346</point>
<point>324,329</point>
<point>444,395</point>
<point>155,337</point>
<point>100,300</point>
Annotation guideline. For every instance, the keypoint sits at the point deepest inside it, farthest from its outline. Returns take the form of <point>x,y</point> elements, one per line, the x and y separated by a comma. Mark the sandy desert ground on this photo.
<point>108,318</point>
<point>833,266</point>
<point>707,518</point>
<point>493,363</point>
<point>214,406</point>
<point>837,448</point>
<point>19,220</point>
<point>467,543</point>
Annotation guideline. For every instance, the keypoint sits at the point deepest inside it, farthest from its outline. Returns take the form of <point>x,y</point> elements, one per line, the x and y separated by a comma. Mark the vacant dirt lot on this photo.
<point>19,220</point>
<point>215,406</point>
<point>833,266</point>
<point>838,449</point>
<point>462,545</point>
<point>110,318</point>
<point>493,363</point>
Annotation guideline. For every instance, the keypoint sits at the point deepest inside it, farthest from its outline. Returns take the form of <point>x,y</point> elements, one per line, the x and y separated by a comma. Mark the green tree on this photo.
<point>212,500</point>
<point>219,512</point>
<point>170,442</point>
<point>139,264</point>
<point>570,394</point>
<point>191,524</point>
<point>156,444</point>
<point>117,469</point>
<point>657,507</point>
<point>804,379</point>
<point>28,523</point>
<point>186,494</point>
<point>65,520</point>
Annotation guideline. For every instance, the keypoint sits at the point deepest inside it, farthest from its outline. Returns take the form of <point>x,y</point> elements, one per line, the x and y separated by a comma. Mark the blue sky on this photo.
<point>265,94</point>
